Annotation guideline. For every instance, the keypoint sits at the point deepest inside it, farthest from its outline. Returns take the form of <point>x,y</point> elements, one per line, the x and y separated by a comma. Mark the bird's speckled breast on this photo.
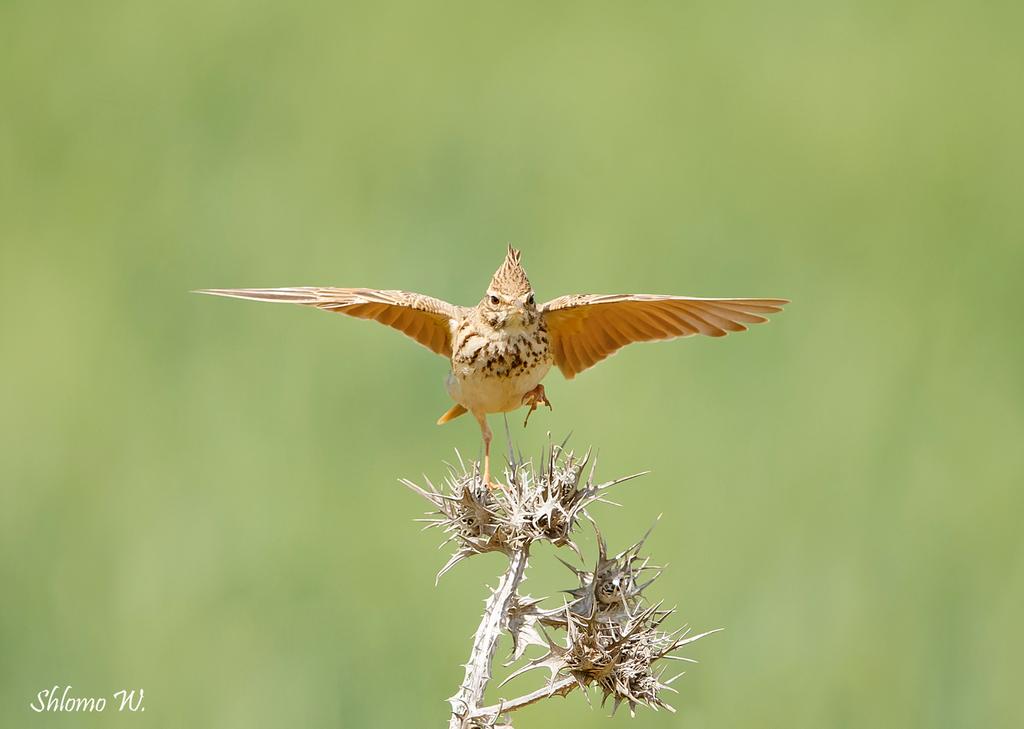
<point>493,369</point>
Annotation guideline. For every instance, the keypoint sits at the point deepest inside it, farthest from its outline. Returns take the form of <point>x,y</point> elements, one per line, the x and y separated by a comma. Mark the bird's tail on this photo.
<point>456,411</point>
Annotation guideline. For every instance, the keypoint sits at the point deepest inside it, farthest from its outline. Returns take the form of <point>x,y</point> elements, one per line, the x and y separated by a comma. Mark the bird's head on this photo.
<point>509,301</point>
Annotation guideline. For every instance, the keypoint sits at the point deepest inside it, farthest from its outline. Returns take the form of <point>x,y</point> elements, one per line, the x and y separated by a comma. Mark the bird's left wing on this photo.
<point>586,328</point>
<point>424,318</point>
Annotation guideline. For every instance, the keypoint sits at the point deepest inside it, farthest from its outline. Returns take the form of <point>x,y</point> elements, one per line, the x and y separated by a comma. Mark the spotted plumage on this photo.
<point>501,349</point>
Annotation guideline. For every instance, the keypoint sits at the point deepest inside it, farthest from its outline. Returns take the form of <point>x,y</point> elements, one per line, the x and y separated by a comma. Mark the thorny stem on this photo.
<point>612,640</point>
<point>558,688</point>
<point>466,702</point>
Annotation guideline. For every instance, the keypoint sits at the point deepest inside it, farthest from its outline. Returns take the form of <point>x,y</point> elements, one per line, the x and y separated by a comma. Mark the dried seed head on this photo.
<point>612,639</point>
<point>538,503</point>
<point>612,591</point>
<point>619,658</point>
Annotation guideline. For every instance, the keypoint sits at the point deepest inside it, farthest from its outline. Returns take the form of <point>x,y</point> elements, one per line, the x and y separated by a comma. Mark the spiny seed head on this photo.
<point>538,503</point>
<point>612,638</point>
<point>612,591</point>
<point>619,658</point>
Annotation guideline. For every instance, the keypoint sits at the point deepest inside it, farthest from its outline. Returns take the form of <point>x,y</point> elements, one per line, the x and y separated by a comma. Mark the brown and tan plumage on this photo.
<point>424,318</point>
<point>586,328</point>
<point>502,348</point>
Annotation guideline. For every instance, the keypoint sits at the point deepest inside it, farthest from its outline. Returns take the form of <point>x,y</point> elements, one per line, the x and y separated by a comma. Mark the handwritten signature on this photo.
<point>55,699</point>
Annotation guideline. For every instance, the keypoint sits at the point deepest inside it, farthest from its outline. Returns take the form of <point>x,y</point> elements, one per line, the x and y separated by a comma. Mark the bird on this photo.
<point>501,349</point>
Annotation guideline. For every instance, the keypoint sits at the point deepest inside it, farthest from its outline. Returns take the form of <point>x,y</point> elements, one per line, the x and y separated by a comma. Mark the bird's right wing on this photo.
<point>424,318</point>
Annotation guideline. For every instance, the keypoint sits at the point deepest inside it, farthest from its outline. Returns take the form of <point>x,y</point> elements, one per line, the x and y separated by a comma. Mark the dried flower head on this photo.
<point>542,503</point>
<point>612,639</point>
<point>619,658</point>
<point>612,591</point>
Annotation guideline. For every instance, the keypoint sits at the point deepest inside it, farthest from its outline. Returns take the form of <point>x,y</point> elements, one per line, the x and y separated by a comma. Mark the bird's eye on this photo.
<point>529,300</point>
<point>494,300</point>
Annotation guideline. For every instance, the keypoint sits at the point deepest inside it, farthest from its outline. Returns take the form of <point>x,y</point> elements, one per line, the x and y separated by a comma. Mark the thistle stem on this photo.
<point>560,687</point>
<point>466,702</point>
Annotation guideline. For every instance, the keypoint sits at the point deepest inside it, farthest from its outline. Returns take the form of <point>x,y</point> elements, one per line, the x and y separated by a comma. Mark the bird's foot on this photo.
<point>493,485</point>
<point>489,482</point>
<point>534,398</point>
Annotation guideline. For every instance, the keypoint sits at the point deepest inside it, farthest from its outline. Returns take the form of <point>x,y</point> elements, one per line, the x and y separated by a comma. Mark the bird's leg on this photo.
<point>534,398</point>
<point>485,430</point>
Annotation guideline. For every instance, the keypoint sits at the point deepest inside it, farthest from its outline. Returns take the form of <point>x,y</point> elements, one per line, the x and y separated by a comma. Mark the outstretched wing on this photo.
<point>586,328</point>
<point>424,318</point>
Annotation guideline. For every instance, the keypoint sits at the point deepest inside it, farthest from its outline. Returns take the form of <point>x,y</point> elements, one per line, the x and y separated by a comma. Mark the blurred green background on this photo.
<point>198,497</point>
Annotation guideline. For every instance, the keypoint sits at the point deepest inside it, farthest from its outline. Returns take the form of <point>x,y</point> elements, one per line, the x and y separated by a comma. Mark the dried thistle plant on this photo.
<point>609,636</point>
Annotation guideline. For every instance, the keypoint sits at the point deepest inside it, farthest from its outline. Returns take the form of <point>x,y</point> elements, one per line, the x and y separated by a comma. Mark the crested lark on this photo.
<point>502,348</point>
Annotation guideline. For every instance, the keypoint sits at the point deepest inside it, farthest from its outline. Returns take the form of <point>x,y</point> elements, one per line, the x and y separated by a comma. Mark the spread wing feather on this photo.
<point>424,318</point>
<point>586,328</point>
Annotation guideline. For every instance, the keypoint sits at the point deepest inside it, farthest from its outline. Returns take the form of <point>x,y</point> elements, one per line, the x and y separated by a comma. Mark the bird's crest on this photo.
<point>510,278</point>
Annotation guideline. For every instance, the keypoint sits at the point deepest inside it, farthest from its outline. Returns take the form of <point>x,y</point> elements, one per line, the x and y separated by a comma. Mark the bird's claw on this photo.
<point>489,482</point>
<point>533,398</point>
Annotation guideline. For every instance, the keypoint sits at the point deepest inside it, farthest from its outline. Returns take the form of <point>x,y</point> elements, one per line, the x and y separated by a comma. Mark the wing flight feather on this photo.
<point>423,318</point>
<point>586,328</point>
